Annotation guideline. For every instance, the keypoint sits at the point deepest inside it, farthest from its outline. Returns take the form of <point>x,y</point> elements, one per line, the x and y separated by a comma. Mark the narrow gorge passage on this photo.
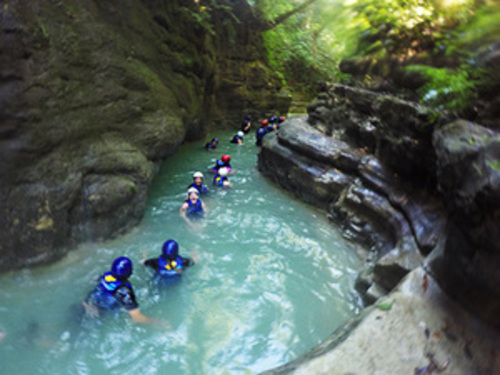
<point>274,279</point>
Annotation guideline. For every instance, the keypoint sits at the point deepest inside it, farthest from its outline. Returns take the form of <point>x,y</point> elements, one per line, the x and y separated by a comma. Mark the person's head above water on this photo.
<point>215,140</point>
<point>170,249</point>
<point>223,171</point>
<point>226,158</point>
<point>192,191</point>
<point>121,268</point>
<point>273,119</point>
<point>198,178</point>
<point>281,119</point>
<point>264,122</point>
<point>248,117</point>
<point>241,134</point>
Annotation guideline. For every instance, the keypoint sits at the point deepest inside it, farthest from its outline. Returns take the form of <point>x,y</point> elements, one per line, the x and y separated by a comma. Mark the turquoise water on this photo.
<point>274,278</point>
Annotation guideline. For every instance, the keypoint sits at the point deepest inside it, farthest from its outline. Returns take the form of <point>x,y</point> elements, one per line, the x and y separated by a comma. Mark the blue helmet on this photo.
<point>170,249</point>
<point>273,119</point>
<point>215,140</point>
<point>122,268</point>
<point>248,117</point>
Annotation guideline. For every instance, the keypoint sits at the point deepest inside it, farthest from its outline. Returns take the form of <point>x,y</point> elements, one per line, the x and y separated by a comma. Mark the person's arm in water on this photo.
<point>152,262</point>
<point>183,211</point>
<point>183,214</point>
<point>204,207</point>
<point>126,297</point>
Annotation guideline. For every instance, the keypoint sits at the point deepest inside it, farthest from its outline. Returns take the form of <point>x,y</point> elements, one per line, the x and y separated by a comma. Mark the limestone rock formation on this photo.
<point>92,95</point>
<point>469,180</point>
<point>404,185</point>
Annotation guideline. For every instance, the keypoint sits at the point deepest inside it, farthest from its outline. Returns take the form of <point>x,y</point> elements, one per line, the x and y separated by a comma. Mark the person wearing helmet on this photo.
<point>192,207</point>
<point>220,179</point>
<point>114,291</point>
<point>198,183</point>
<point>212,145</point>
<point>246,125</point>
<point>224,161</point>
<point>278,122</point>
<point>238,138</point>
<point>261,132</point>
<point>169,264</point>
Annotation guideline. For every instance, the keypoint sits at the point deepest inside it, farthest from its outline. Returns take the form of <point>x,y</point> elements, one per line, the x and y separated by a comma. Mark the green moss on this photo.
<point>494,164</point>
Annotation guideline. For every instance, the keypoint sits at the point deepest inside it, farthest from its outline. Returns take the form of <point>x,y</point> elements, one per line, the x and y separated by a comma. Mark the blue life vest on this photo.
<point>219,180</point>
<point>194,208</point>
<point>201,189</point>
<point>270,128</point>
<point>261,132</point>
<point>170,268</point>
<point>104,293</point>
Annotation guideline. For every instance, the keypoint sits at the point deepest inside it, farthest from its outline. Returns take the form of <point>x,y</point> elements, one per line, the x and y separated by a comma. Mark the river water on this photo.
<point>273,279</point>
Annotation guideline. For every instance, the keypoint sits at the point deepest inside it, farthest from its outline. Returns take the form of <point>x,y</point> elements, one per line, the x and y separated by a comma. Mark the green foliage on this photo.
<point>448,89</point>
<point>200,17</point>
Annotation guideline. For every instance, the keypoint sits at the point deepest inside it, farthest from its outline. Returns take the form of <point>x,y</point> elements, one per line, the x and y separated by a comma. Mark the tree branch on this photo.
<point>283,17</point>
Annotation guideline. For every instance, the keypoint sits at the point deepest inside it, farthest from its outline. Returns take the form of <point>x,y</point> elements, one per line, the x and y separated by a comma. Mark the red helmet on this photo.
<point>281,119</point>
<point>264,122</point>
<point>225,158</point>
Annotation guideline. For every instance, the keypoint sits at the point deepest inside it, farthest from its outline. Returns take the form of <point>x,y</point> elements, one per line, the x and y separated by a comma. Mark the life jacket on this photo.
<point>261,132</point>
<point>259,135</point>
<point>270,128</point>
<point>244,126</point>
<point>194,208</point>
<point>219,180</point>
<point>170,268</point>
<point>218,164</point>
<point>201,189</point>
<point>104,293</point>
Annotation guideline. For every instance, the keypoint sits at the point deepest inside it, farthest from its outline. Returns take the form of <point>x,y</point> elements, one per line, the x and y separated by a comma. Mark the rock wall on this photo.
<point>92,95</point>
<point>415,191</point>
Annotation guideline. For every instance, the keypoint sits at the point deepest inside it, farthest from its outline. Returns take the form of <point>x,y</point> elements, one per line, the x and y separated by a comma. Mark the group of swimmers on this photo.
<point>114,291</point>
<point>266,126</point>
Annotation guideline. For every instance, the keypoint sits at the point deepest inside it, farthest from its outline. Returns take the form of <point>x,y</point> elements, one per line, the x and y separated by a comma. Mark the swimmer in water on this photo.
<point>198,183</point>
<point>261,132</point>
<point>224,161</point>
<point>169,264</point>
<point>193,207</point>
<point>238,138</point>
<point>220,179</point>
<point>115,292</point>
<point>247,124</point>
<point>212,145</point>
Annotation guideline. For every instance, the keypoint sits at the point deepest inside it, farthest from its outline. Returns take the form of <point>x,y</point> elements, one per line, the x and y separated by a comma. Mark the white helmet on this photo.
<point>240,134</point>
<point>223,171</point>
<point>197,174</point>
<point>192,190</point>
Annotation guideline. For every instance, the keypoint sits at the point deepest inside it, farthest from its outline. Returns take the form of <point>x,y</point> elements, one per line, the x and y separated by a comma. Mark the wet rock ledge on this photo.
<point>413,189</point>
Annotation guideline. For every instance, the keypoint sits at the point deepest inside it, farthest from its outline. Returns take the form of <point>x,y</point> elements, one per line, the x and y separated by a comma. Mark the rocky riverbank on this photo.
<point>412,187</point>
